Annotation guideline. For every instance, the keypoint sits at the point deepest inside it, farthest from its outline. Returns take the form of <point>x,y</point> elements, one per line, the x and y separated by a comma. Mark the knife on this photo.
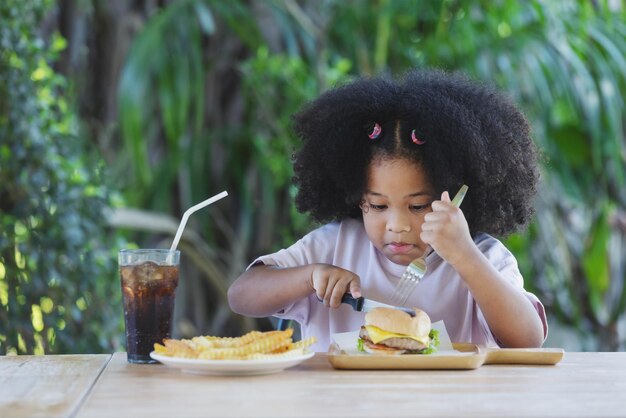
<point>365,305</point>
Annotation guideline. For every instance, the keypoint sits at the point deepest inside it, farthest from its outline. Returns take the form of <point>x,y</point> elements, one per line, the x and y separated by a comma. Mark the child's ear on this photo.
<point>445,197</point>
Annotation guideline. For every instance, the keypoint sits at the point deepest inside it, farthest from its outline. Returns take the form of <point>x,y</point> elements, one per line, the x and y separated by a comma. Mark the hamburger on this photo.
<point>389,331</point>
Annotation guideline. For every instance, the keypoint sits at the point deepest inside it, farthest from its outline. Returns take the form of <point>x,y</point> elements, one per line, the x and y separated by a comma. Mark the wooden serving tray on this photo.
<point>465,357</point>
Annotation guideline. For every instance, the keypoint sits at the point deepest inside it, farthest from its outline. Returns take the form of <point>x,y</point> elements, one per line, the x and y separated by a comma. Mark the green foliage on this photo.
<point>164,64</point>
<point>205,99</point>
<point>288,81</point>
<point>57,270</point>
<point>562,61</point>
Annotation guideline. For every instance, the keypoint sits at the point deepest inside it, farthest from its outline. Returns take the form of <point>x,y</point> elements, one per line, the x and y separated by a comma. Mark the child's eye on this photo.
<point>419,208</point>
<point>378,207</point>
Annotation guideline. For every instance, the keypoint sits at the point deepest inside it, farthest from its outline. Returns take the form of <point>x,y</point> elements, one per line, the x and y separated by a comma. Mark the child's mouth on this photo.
<point>400,247</point>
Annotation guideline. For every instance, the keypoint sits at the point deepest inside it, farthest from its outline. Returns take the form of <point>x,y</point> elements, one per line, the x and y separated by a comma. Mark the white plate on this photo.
<point>231,367</point>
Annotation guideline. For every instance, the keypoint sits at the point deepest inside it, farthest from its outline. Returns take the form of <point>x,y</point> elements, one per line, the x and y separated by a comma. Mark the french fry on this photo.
<point>182,348</point>
<point>267,342</point>
<point>304,343</point>
<point>254,345</point>
<point>225,342</point>
<point>160,349</point>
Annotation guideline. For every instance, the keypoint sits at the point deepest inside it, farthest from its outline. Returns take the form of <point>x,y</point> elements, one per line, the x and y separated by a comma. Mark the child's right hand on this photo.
<point>330,283</point>
<point>446,230</point>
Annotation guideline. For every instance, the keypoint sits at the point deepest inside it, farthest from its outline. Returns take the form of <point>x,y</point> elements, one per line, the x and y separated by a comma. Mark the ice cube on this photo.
<point>144,271</point>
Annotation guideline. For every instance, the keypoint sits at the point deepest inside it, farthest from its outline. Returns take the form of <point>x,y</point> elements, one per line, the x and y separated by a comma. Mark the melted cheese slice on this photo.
<point>377,335</point>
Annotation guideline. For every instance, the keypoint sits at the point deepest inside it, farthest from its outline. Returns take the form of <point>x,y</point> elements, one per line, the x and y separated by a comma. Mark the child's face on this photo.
<point>394,204</point>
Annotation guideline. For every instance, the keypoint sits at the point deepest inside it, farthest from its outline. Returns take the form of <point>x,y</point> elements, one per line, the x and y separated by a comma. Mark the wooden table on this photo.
<point>47,386</point>
<point>582,384</point>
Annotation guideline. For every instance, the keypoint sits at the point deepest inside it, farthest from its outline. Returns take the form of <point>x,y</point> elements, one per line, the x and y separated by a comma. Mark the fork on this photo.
<point>416,270</point>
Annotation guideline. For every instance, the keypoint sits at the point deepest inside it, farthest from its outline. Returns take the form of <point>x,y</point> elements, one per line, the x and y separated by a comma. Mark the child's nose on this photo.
<point>398,223</point>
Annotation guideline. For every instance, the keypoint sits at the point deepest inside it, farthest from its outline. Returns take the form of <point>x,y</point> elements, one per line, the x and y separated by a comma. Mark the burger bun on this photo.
<point>400,322</point>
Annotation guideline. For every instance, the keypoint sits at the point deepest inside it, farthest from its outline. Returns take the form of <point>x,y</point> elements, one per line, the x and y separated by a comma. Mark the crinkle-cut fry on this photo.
<point>253,345</point>
<point>282,349</point>
<point>304,343</point>
<point>225,342</point>
<point>265,344</point>
<point>294,350</point>
<point>222,342</point>
<point>160,349</point>
<point>180,348</point>
<point>268,342</point>
<point>298,346</point>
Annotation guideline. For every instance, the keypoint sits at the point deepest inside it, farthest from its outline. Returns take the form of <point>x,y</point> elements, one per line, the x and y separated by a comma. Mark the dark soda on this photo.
<point>148,291</point>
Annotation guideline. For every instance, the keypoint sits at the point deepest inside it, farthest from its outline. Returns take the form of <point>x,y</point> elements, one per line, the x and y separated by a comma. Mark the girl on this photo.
<point>378,161</point>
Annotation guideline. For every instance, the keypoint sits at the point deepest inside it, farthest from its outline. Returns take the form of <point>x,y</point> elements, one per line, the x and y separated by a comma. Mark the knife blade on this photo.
<point>365,305</point>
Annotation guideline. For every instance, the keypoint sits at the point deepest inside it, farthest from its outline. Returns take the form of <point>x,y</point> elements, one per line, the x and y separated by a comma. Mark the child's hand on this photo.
<point>446,230</point>
<point>331,283</point>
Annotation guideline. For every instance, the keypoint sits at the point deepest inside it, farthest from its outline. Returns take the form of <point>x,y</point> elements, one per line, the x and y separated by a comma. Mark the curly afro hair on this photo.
<point>472,135</point>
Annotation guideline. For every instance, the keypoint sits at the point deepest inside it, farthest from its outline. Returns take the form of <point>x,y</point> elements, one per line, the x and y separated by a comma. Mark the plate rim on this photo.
<point>231,367</point>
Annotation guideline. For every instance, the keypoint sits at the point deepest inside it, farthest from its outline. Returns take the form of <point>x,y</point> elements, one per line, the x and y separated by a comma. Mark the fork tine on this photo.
<point>395,299</point>
<point>407,288</point>
<point>402,287</point>
<point>398,293</point>
<point>406,282</point>
<point>411,277</point>
<point>412,284</point>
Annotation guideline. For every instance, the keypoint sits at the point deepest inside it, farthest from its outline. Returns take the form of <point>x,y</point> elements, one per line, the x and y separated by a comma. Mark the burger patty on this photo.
<point>395,342</point>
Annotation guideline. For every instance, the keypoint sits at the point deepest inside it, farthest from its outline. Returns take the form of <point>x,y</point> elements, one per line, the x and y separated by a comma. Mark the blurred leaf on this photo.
<point>596,263</point>
<point>572,146</point>
<point>54,247</point>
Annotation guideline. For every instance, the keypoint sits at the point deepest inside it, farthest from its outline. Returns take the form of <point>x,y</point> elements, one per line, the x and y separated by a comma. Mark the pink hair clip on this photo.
<point>376,130</point>
<point>415,139</point>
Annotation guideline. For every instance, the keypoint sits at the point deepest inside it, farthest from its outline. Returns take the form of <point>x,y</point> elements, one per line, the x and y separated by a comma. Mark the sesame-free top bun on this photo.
<point>397,321</point>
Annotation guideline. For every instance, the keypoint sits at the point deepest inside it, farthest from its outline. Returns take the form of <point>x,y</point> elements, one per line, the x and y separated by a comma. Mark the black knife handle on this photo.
<point>356,303</point>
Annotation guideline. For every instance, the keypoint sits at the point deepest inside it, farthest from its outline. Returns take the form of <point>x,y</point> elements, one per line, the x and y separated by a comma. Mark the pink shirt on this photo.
<point>442,294</point>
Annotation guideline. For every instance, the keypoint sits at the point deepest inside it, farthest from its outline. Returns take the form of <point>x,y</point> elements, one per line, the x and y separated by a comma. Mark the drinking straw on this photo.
<point>191,210</point>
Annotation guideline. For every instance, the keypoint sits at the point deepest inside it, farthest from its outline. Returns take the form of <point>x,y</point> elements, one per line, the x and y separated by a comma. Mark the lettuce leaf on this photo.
<point>432,347</point>
<point>359,345</point>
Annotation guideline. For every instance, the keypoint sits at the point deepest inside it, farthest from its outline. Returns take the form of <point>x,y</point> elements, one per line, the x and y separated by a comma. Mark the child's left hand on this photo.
<point>446,230</point>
